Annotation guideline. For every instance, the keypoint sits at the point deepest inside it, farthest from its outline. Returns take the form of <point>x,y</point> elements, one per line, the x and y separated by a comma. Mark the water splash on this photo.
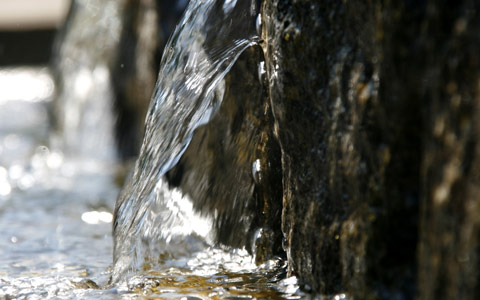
<point>48,250</point>
<point>150,218</point>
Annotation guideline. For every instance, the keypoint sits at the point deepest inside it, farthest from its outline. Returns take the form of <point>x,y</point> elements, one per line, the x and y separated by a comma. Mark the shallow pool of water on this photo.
<point>56,214</point>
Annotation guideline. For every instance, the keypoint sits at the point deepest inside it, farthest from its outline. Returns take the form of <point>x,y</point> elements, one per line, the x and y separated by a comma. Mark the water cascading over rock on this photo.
<point>364,149</point>
<point>152,218</point>
<point>147,24</point>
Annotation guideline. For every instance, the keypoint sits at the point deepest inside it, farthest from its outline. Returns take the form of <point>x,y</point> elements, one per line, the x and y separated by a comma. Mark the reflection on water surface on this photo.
<point>55,222</point>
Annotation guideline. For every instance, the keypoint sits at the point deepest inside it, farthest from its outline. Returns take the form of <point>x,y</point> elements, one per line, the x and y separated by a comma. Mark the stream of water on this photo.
<point>57,209</point>
<point>152,219</point>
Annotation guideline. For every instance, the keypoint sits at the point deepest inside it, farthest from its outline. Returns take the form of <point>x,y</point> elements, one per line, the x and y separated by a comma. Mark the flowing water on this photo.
<point>56,208</point>
<point>151,218</point>
<point>55,214</point>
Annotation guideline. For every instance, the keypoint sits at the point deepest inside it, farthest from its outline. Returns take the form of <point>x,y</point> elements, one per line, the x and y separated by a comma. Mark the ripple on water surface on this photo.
<point>55,230</point>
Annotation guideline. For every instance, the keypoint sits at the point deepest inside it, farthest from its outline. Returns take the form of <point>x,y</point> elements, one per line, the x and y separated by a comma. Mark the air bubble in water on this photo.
<point>256,171</point>
<point>261,70</point>
<point>258,24</point>
<point>256,236</point>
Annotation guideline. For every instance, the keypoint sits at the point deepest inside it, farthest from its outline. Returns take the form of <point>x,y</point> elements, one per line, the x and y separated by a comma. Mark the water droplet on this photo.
<point>258,24</point>
<point>256,171</point>
<point>256,236</point>
<point>261,71</point>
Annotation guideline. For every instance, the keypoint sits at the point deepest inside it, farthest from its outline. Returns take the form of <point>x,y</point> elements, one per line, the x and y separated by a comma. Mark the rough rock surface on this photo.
<point>376,112</point>
<point>356,153</point>
<point>231,168</point>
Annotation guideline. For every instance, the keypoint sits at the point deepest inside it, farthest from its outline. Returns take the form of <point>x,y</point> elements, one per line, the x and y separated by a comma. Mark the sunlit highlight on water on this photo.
<point>5,188</point>
<point>51,251</point>
<point>153,218</point>
<point>13,83</point>
<point>95,217</point>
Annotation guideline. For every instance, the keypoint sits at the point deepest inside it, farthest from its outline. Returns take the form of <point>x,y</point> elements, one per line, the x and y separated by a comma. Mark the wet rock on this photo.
<point>375,108</point>
<point>323,89</point>
<point>231,168</point>
<point>356,149</point>
<point>448,256</point>
<point>85,284</point>
<point>191,84</point>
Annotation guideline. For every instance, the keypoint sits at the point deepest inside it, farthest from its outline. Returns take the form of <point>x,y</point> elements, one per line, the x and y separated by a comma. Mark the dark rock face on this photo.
<point>324,91</point>
<point>356,150</point>
<point>231,167</point>
<point>376,113</point>
<point>450,220</point>
<point>355,154</point>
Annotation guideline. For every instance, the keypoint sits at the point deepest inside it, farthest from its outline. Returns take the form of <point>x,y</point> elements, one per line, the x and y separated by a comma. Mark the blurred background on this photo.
<point>28,28</point>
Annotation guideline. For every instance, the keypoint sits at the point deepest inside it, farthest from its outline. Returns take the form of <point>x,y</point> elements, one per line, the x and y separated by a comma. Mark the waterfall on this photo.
<point>150,217</point>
